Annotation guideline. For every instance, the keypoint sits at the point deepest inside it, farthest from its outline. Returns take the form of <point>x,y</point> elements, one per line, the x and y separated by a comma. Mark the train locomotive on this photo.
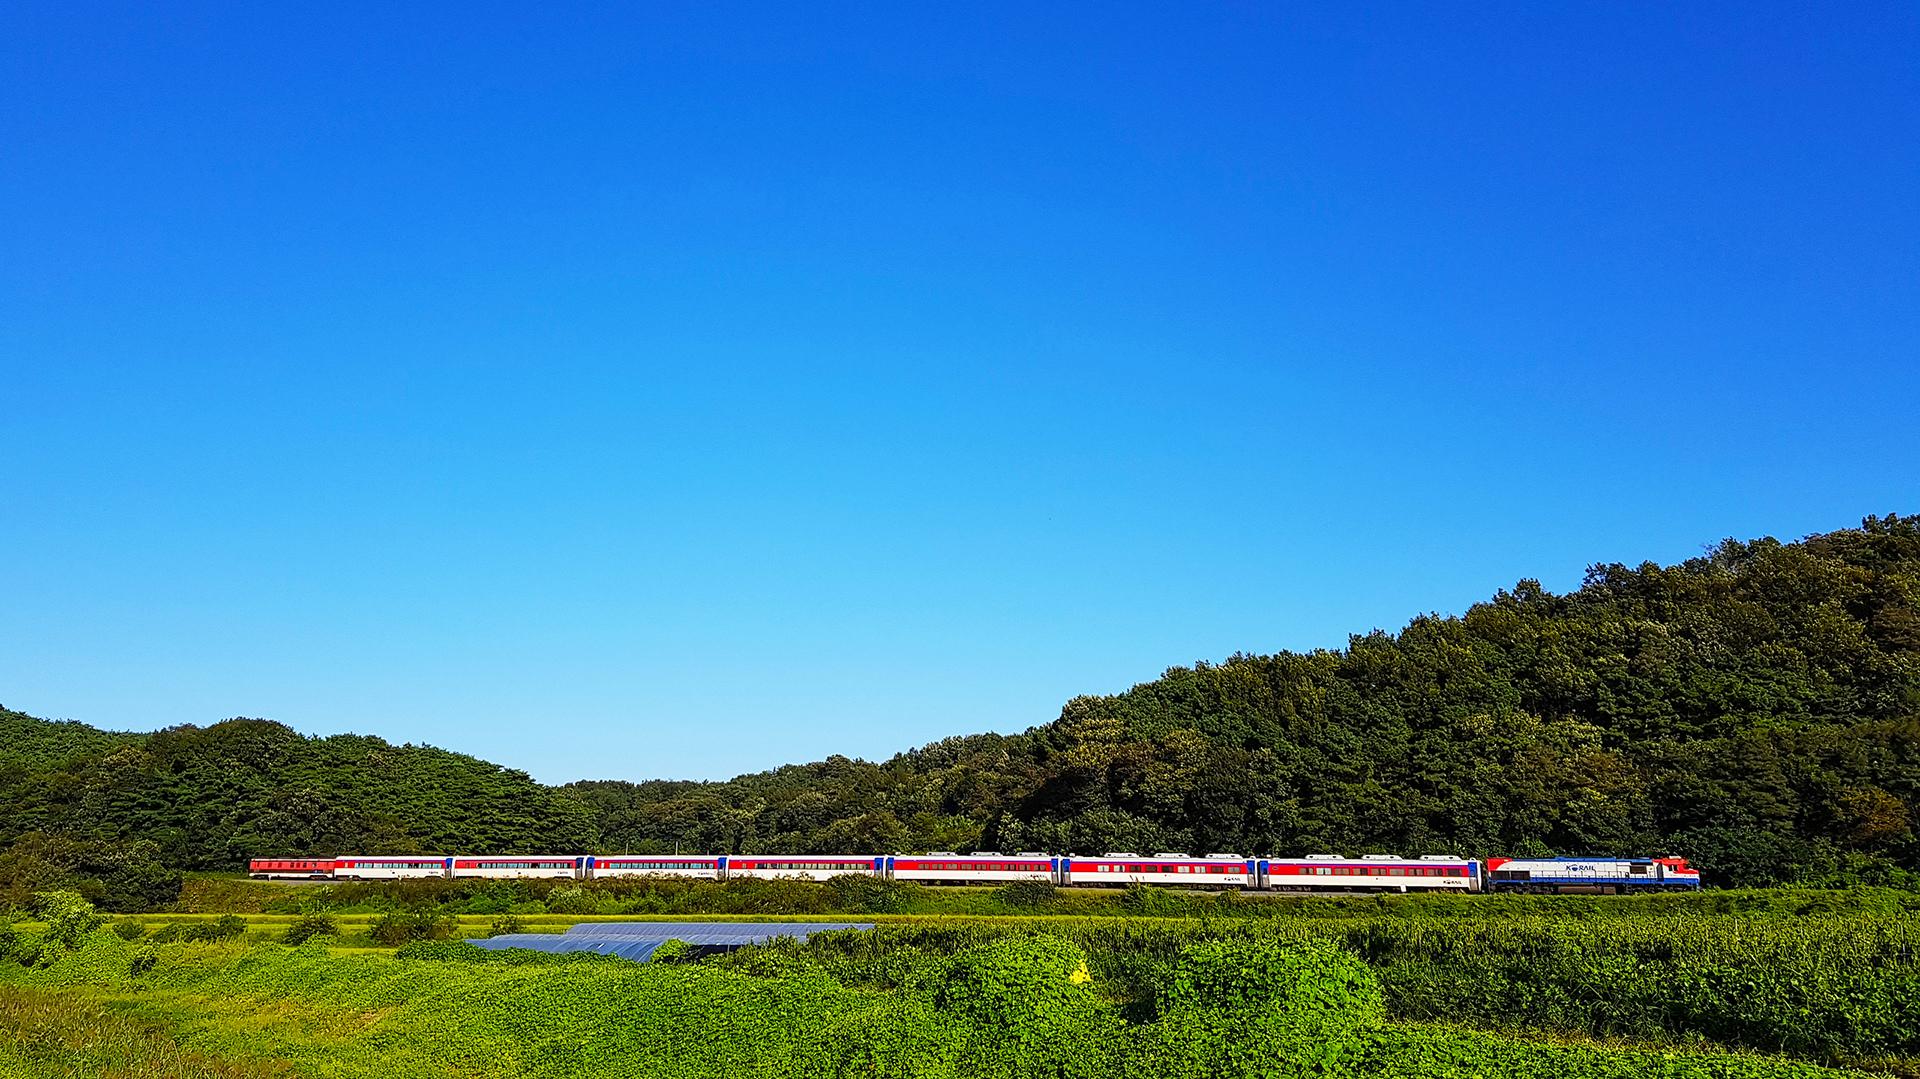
<point>1313,873</point>
<point>1604,875</point>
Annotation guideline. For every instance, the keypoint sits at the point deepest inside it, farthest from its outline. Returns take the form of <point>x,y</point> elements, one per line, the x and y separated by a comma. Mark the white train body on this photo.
<point>980,867</point>
<point>804,866</point>
<point>1120,868</point>
<point>388,867</point>
<point>1313,873</point>
<point>518,866</point>
<point>1371,873</point>
<point>694,866</point>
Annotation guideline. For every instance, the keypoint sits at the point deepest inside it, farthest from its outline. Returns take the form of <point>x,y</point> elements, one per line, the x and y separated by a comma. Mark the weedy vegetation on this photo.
<point>1778,995</point>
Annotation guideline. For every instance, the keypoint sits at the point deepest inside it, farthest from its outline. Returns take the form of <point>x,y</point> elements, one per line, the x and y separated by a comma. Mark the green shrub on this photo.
<point>32,950</point>
<point>1026,894</point>
<point>1258,1009</point>
<point>400,927</point>
<point>226,927</point>
<point>505,924</point>
<point>128,929</point>
<point>1413,1052</point>
<point>673,951</point>
<point>69,917</point>
<point>861,894</point>
<point>101,958</point>
<point>308,928</point>
<point>776,960</point>
<point>1030,1009</point>
<point>1821,986</point>
<point>441,951</point>
<point>1147,901</point>
<point>573,900</point>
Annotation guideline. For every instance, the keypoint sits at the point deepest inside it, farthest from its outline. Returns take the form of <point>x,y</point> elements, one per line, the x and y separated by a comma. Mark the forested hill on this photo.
<point>1757,708</point>
<point>121,814</point>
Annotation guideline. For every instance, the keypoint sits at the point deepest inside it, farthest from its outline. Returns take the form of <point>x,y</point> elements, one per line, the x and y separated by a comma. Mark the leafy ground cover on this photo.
<point>1826,986</point>
<point>69,1036</point>
<point>1809,978</point>
<point>1024,1005</point>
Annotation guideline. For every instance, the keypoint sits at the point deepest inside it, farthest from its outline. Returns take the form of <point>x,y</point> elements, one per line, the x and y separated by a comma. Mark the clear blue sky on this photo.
<point>687,391</point>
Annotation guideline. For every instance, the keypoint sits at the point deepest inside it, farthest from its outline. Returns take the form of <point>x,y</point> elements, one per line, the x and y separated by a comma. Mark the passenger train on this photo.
<point>1313,873</point>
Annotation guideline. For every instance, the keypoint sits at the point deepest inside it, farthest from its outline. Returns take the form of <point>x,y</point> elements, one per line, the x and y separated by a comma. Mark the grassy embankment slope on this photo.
<point>1012,1006</point>
<point>1669,985</point>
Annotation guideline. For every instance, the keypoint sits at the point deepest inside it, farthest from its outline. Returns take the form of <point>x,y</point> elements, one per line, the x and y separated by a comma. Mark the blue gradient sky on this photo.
<point>685,392</point>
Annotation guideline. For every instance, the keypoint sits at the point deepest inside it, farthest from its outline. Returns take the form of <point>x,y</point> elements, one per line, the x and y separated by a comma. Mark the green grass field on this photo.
<point>1778,984</point>
<point>1017,1006</point>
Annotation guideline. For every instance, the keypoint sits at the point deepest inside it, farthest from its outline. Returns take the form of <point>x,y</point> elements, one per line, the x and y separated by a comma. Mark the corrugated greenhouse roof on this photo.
<point>638,940</point>
<point>755,931</point>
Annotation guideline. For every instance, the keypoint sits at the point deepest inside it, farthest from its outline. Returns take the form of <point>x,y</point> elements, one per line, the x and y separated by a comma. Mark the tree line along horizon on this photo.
<point>1755,709</point>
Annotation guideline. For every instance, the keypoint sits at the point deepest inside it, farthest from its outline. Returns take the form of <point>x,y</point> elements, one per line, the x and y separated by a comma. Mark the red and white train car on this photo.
<point>982,866</point>
<point>1371,872</point>
<point>804,866</point>
<point>517,866</point>
<point>389,866</point>
<point>1181,870</point>
<point>697,866</point>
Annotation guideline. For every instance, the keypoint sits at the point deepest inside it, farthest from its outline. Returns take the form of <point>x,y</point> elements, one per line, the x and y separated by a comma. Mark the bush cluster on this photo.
<point>226,927</point>
<point>1027,894</point>
<point>402,927</point>
<point>1822,986</point>
<point>1015,1007</point>
<point>308,928</point>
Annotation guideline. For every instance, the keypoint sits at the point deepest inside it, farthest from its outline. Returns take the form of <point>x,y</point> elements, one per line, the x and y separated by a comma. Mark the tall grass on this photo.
<point>64,1036</point>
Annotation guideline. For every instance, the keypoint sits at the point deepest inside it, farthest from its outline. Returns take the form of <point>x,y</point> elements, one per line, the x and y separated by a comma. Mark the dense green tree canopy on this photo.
<point>1757,708</point>
<point>73,800</point>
